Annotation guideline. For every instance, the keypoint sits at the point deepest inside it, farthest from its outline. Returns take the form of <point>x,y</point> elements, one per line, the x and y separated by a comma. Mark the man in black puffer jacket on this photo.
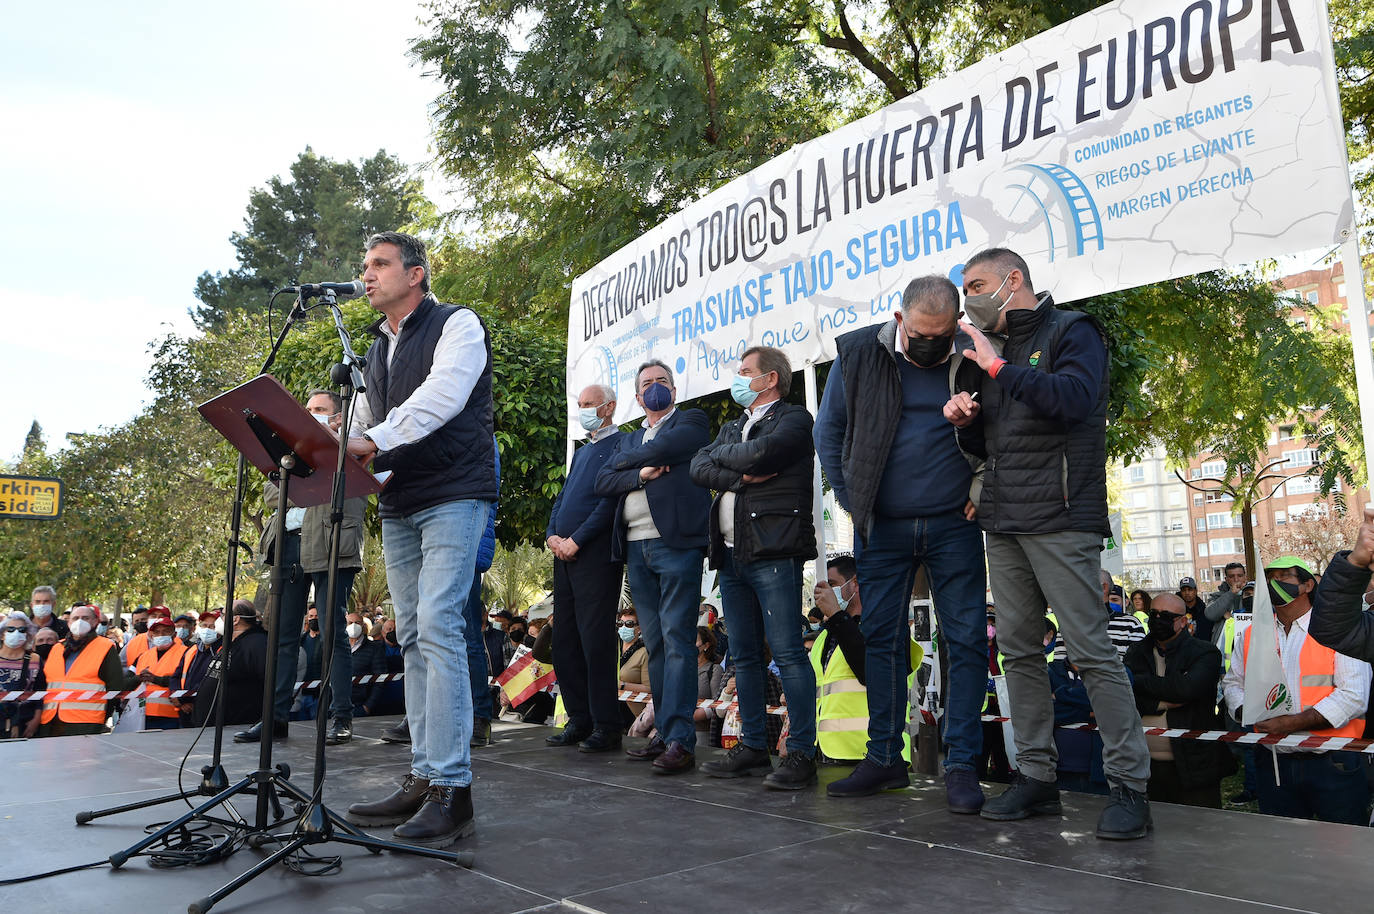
<point>1044,509</point>
<point>1340,619</point>
<point>761,531</point>
<point>1175,678</point>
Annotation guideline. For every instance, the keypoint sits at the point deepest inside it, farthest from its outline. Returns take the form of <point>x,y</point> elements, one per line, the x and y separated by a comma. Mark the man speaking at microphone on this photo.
<point>427,418</point>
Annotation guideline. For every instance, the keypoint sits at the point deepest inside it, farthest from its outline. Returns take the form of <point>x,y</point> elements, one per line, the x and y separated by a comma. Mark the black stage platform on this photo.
<point>558,831</point>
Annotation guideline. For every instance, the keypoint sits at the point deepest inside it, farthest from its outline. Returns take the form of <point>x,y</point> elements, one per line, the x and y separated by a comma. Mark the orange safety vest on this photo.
<point>158,702</point>
<point>84,676</point>
<point>1316,680</point>
<point>135,649</point>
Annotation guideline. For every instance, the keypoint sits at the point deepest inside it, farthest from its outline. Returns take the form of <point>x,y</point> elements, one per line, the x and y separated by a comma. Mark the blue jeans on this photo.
<point>1326,786</point>
<point>431,556</point>
<point>666,586</point>
<point>341,672</point>
<point>477,650</point>
<point>951,548</point>
<point>762,600</point>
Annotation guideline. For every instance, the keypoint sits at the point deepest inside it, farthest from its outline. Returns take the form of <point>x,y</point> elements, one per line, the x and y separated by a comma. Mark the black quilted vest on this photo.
<point>453,462</point>
<point>1042,476</point>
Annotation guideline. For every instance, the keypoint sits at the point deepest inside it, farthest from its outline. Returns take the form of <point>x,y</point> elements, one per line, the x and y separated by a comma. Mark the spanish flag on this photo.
<point>524,677</point>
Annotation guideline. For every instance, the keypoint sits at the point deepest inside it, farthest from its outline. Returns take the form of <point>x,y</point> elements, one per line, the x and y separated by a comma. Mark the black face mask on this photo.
<point>1282,597</point>
<point>140,627</point>
<point>390,637</point>
<point>314,625</point>
<point>517,636</point>
<point>1161,626</point>
<point>927,353</point>
<point>1248,603</point>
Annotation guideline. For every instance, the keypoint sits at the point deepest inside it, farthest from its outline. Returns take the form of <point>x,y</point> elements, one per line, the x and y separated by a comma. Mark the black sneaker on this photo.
<point>340,732</point>
<point>1026,797</point>
<point>739,762</point>
<point>1127,816</point>
<point>397,734</point>
<point>794,772</point>
<point>869,778</point>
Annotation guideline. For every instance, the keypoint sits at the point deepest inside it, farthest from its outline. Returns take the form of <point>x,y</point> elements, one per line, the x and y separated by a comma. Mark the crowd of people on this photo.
<point>970,449</point>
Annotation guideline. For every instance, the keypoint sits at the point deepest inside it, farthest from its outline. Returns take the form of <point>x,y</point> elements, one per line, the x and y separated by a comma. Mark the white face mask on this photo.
<point>162,641</point>
<point>355,631</point>
<point>42,610</point>
<point>80,628</point>
<point>588,418</point>
<point>219,627</point>
<point>15,639</point>
<point>320,418</point>
<point>844,604</point>
<point>207,635</point>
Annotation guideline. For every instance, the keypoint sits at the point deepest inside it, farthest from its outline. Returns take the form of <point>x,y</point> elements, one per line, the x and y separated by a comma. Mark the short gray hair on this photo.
<point>1107,578</point>
<point>412,249</point>
<point>1002,261</point>
<point>30,629</point>
<point>655,363</point>
<point>772,359</point>
<point>44,588</point>
<point>933,294</point>
<point>605,391</point>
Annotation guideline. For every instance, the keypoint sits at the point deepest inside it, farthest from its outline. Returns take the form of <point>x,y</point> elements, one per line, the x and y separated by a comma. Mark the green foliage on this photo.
<point>310,228</point>
<point>518,577</point>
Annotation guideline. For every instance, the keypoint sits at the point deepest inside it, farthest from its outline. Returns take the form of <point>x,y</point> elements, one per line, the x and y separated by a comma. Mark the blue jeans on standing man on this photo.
<point>666,586</point>
<point>762,600</point>
<point>431,557</point>
<point>951,548</point>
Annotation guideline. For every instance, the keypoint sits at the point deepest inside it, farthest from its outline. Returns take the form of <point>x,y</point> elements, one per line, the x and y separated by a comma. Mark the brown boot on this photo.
<point>396,808</point>
<point>445,817</point>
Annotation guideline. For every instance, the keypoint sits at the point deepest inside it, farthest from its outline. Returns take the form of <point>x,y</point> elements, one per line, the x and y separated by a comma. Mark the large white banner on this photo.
<point>1146,140</point>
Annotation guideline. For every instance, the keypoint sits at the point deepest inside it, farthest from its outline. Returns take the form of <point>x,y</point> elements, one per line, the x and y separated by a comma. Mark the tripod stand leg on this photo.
<point>119,858</point>
<point>338,821</point>
<point>202,905</point>
<point>83,817</point>
<point>461,858</point>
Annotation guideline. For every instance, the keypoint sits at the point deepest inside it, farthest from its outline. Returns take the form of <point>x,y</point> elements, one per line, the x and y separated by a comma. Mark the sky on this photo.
<point>135,133</point>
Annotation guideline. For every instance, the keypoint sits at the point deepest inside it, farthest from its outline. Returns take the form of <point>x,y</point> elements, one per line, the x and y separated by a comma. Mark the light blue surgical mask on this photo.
<point>161,641</point>
<point>182,632</point>
<point>207,635</point>
<point>742,393</point>
<point>626,633</point>
<point>588,418</point>
<point>844,604</point>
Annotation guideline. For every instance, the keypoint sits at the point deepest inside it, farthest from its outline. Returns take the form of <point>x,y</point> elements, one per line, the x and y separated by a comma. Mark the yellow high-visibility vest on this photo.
<point>842,704</point>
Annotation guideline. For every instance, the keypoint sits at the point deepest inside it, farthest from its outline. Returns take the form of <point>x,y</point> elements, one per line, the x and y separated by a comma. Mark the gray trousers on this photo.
<point>1029,572</point>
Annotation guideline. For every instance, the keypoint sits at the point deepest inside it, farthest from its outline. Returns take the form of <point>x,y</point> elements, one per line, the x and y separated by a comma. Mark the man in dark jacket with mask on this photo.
<point>1175,678</point>
<point>1044,509</point>
<point>762,468</point>
<point>910,484</point>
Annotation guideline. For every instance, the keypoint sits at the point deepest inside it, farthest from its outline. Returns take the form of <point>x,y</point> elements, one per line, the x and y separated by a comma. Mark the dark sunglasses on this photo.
<point>12,628</point>
<point>1153,614</point>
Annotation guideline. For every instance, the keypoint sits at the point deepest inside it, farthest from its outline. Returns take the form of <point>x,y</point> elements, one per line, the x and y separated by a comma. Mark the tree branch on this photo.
<point>709,70</point>
<point>851,43</point>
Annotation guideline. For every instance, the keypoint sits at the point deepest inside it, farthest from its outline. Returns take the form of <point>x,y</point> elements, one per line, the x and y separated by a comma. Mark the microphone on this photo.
<point>341,290</point>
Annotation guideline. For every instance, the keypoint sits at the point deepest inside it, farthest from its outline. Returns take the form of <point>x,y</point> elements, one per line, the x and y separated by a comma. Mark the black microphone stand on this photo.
<point>213,780</point>
<point>316,822</point>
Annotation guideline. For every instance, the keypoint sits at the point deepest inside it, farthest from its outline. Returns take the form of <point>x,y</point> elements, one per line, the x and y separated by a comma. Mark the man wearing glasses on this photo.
<point>660,533</point>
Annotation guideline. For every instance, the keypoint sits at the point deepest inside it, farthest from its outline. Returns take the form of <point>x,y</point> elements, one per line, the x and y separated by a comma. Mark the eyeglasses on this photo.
<point>1163,615</point>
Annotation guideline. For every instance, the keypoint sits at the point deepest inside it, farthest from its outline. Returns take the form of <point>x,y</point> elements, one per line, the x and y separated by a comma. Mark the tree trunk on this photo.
<point>1247,528</point>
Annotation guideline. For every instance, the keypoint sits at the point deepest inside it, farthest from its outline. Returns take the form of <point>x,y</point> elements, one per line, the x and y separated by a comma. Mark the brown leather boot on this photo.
<point>445,817</point>
<point>396,808</point>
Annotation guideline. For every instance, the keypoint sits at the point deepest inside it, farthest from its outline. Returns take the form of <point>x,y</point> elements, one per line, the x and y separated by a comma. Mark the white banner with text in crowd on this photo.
<point>1146,140</point>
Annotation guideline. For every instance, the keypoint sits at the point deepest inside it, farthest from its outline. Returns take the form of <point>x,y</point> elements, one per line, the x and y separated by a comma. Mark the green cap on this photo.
<point>1289,561</point>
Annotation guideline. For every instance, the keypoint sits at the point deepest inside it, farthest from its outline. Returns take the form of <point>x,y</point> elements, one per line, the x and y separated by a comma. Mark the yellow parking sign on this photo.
<point>30,496</point>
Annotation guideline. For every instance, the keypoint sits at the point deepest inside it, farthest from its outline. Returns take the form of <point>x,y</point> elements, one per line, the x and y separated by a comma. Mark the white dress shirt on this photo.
<point>1339,708</point>
<point>460,356</point>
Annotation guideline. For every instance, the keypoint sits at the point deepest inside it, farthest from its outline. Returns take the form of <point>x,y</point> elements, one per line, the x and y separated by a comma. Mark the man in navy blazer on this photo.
<point>661,533</point>
<point>586,585</point>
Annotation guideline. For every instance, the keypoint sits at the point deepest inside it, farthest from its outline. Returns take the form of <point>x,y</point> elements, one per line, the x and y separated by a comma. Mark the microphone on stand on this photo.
<point>342,290</point>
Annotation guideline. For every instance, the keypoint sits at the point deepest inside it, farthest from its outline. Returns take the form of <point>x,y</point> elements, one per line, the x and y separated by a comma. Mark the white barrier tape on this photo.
<point>1291,741</point>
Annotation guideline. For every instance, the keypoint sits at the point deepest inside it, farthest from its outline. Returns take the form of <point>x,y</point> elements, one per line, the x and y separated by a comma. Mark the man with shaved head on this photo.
<point>1175,678</point>
<point>586,585</point>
